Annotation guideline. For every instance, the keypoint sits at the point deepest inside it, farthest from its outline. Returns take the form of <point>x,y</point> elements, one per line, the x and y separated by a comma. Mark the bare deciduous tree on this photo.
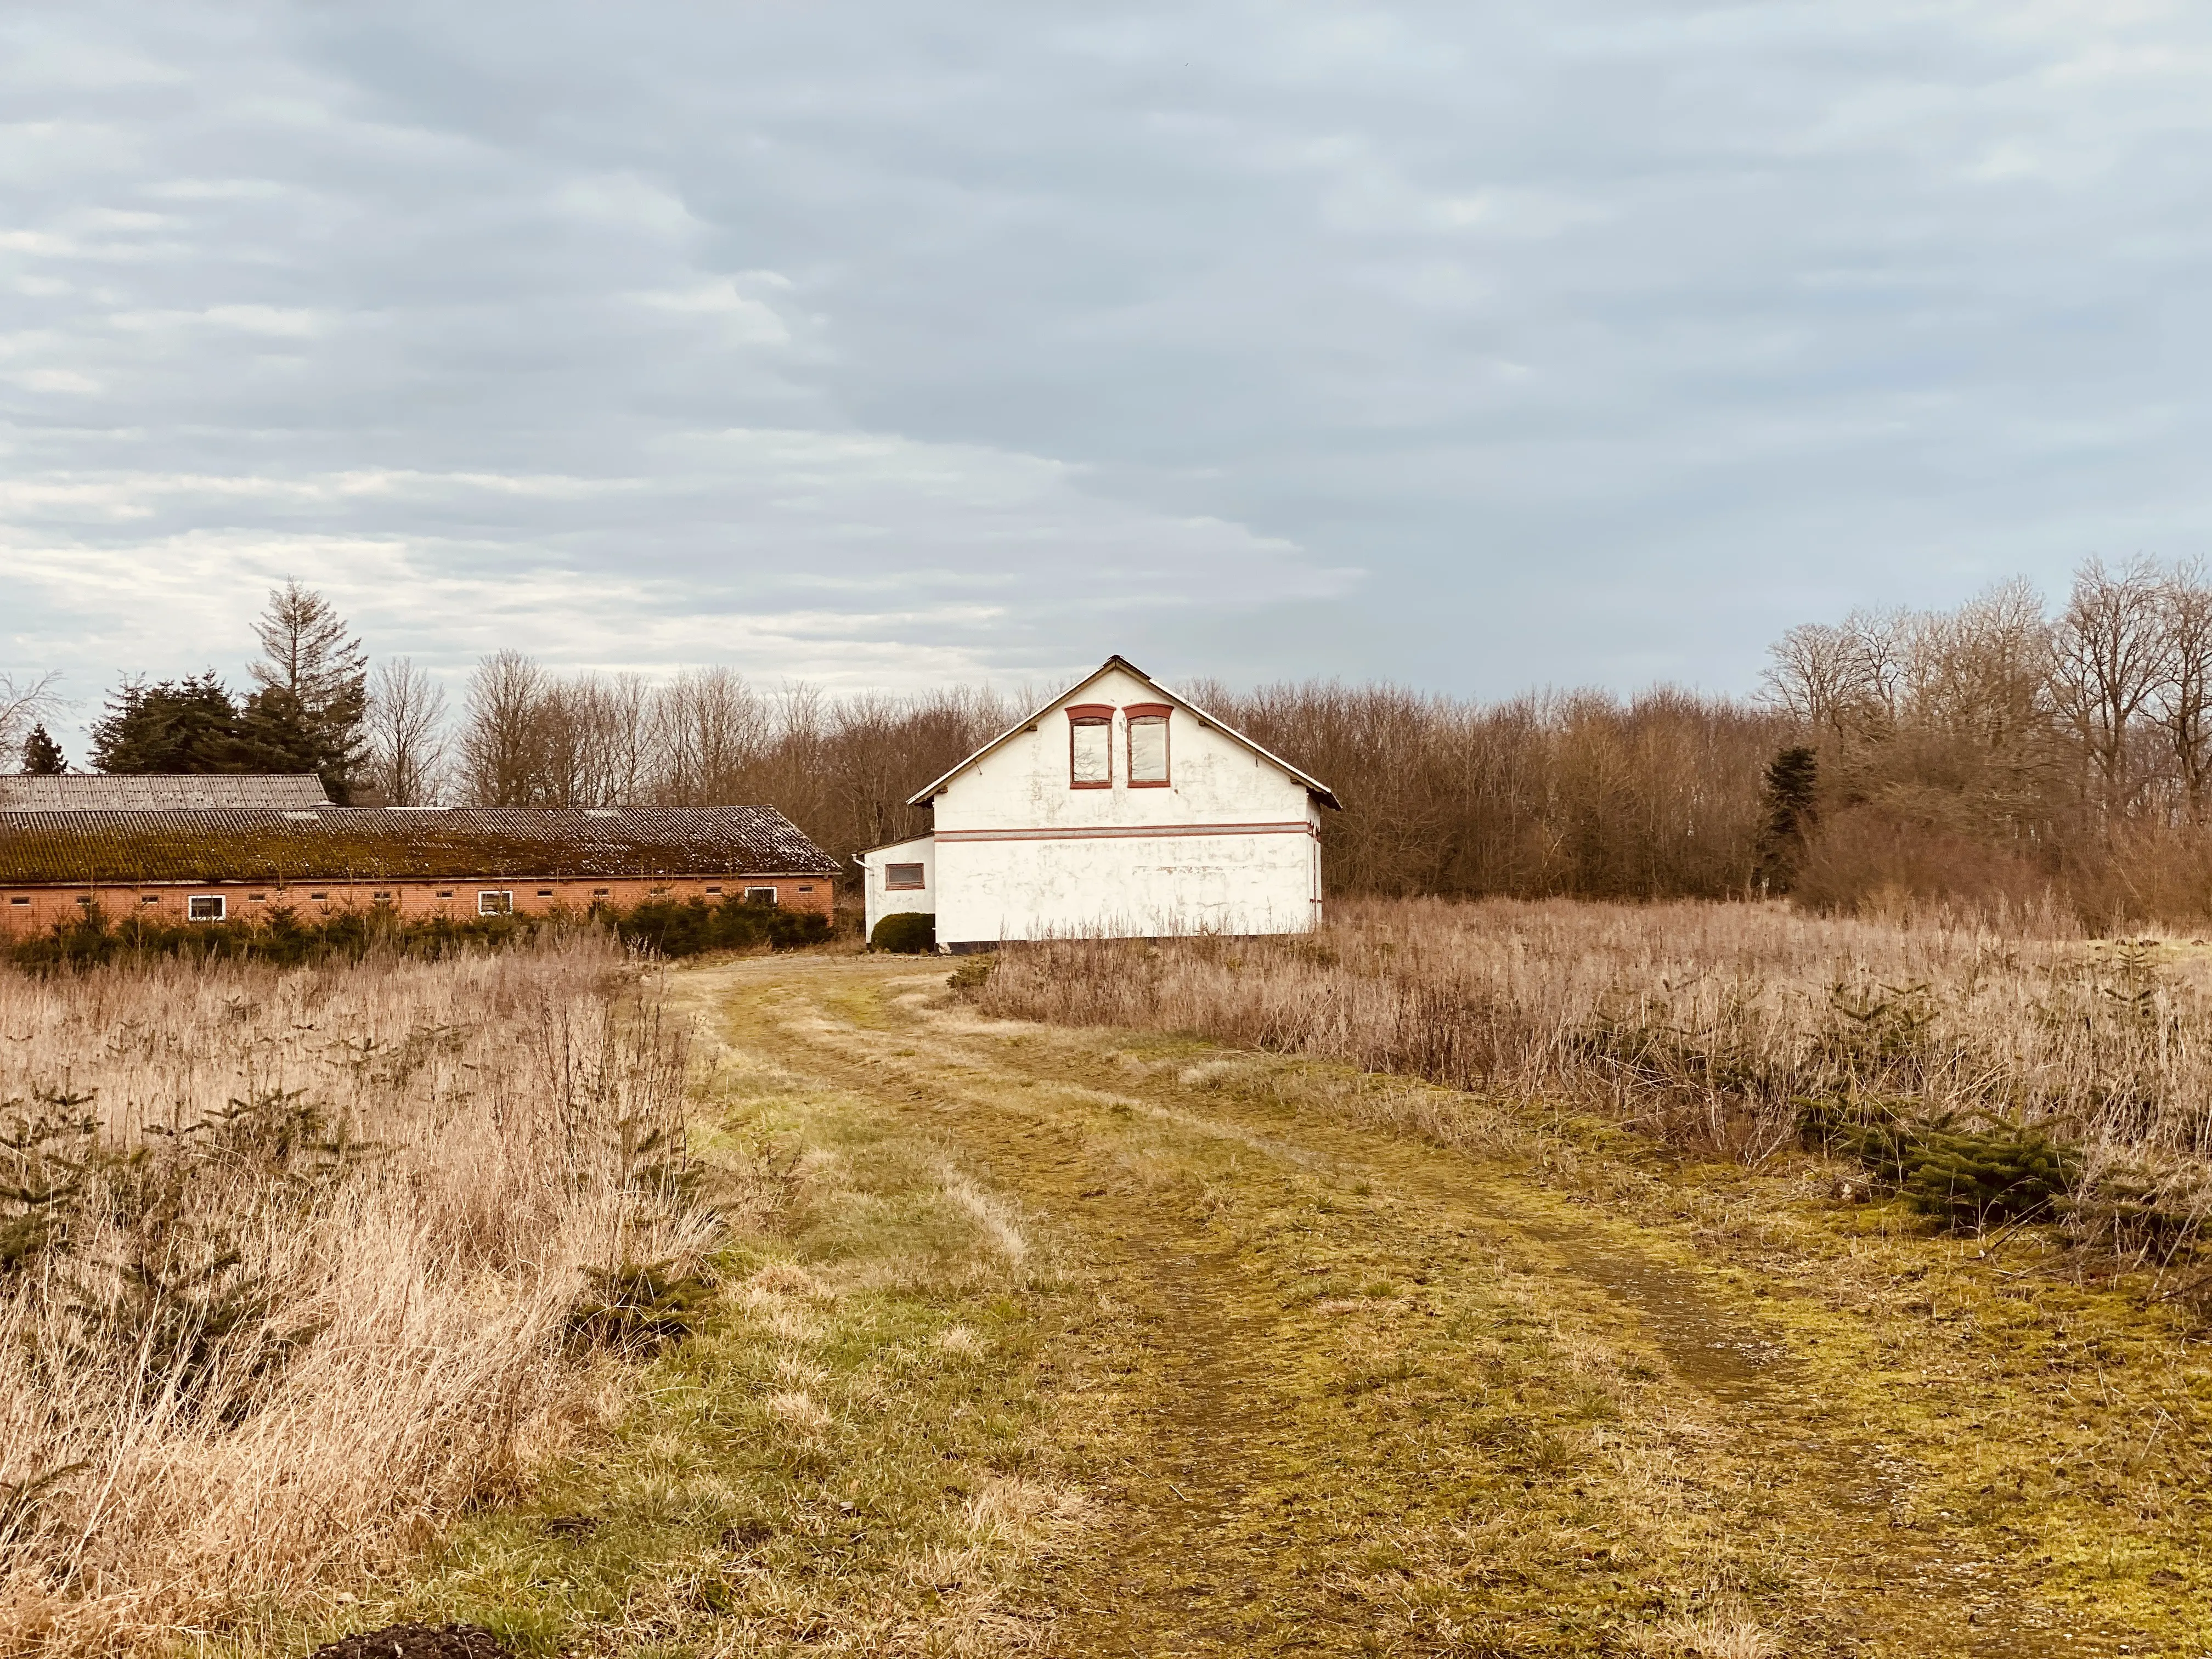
<point>2182,701</point>
<point>502,747</point>
<point>25,700</point>
<point>1842,681</point>
<point>405,729</point>
<point>2110,651</point>
<point>712,731</point>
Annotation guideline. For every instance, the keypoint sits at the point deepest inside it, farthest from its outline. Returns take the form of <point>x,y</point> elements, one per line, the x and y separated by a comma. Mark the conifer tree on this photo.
<point>195,725</point>
<point>1791,797</point>
<point>42,756</point>
<point>315,670</point>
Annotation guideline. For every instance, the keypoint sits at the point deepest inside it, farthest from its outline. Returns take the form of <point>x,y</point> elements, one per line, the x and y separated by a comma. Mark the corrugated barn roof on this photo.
<point>69,792</point>
<point>261,844</point>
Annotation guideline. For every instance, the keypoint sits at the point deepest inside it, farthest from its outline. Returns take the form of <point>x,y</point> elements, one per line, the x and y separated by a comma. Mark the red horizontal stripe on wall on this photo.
<point>1114,832</point>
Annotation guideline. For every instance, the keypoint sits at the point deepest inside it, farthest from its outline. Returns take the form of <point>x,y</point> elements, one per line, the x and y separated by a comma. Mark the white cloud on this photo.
<point>745,321</point>
<point>1474,345</point>
<point>67,381</point>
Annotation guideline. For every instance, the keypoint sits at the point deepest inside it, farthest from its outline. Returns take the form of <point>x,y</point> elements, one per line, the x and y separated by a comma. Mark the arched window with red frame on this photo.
<point>1091,745</point>
<point>1148,744</point>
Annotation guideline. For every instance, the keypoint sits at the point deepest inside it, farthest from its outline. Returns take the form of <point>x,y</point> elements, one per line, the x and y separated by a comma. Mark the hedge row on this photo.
<point>284,938</point>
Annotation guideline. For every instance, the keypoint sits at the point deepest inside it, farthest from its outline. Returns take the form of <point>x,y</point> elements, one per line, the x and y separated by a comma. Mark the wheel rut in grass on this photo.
<point>1338,1371</point>
<point>1925,1593</point>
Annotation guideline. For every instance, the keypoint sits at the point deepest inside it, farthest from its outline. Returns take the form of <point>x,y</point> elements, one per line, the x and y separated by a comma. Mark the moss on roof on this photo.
<point>267,844</point>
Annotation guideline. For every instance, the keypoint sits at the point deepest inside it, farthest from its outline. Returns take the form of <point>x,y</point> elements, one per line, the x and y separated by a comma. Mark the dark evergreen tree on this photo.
<point>195,725</point>
<point>1790,796</point>
<point>171,726</point>
<point>275,734</point>
<point>42,755</point>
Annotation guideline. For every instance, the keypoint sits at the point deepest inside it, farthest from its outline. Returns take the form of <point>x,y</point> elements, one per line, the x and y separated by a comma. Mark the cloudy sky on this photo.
<point>1474,344</point>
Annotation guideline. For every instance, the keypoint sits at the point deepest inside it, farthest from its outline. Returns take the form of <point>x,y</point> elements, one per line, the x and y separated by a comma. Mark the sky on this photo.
<point>1476,346</point>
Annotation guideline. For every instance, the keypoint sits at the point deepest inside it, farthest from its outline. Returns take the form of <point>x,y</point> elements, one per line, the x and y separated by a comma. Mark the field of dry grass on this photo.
<point>293,1264</point>
<point>1716,1027</point>
<point>1063,1338</point>
<point>1081,1341</point>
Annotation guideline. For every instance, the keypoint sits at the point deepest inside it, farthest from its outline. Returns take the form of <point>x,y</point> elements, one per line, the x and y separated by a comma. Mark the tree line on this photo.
<point>308,708</point>
<point>1995,751</point>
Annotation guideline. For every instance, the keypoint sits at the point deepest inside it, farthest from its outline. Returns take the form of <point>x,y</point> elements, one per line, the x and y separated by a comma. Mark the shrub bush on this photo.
<point>284,938</point>
<point>672,929</point>
<point>1965,1175</point>
<point>910,932</point>
<point>969,978</point>
<point>639,1306</point>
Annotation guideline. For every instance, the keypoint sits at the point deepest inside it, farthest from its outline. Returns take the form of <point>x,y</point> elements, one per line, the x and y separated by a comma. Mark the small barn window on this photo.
<point>84,899</point>
<point>713,889</point>
<point>445,892</point>
<point>12,900</point>
<point>545,892</point>
<point>1148,744</point>
<point>149,898</point>
<point>1091,746</point>
<point>494,905</point>
<point>205,907</point>
<point>318,895</point>
<point>903,878</point>
<point>760,894</point>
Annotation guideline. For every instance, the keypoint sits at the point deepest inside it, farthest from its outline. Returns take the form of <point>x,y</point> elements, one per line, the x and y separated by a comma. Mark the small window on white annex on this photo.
<point>903,878</point>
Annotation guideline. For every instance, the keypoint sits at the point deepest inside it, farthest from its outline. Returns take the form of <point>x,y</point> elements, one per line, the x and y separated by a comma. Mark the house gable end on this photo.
<point>1076,696</point>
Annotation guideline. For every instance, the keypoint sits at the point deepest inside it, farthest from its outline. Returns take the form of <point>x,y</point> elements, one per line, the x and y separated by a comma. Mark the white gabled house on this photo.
<point>1118,809</point>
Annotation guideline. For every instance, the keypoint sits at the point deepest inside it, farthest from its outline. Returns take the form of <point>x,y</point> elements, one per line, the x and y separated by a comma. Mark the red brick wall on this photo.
<point>411,899</point>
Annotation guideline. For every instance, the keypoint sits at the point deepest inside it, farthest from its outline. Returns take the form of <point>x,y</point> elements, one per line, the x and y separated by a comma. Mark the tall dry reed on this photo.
<point>287,1259</point>
<point>1714,1026</point>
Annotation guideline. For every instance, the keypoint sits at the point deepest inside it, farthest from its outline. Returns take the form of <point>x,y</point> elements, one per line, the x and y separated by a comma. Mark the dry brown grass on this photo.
<point>294,1258</point>
<point>1712,1025</point>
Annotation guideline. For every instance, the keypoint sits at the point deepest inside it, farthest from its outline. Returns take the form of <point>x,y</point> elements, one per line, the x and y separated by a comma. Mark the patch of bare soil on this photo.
<point>418,1642</point>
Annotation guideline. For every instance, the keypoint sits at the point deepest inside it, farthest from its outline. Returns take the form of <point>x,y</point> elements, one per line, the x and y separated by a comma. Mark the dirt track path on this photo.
<point>1335,1390</point>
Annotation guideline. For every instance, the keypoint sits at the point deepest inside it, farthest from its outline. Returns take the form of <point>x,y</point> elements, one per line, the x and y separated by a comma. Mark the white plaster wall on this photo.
<point>1124,884</point>
<point>878,901</point>
<point>1122,888</point>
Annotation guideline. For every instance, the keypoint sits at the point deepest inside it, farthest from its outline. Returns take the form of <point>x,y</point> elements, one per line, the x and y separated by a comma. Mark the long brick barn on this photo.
<point>231,863</point>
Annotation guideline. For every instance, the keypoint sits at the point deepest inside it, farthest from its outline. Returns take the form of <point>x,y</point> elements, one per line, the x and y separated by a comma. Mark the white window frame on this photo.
<point>1131,720</point>
<point>755,894</point>
<point>194,910</point>
<point>495,902</point>
<point>1086,721</point>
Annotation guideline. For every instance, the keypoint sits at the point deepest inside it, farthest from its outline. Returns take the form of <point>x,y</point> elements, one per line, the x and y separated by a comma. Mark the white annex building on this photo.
<point>1117,809</point>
